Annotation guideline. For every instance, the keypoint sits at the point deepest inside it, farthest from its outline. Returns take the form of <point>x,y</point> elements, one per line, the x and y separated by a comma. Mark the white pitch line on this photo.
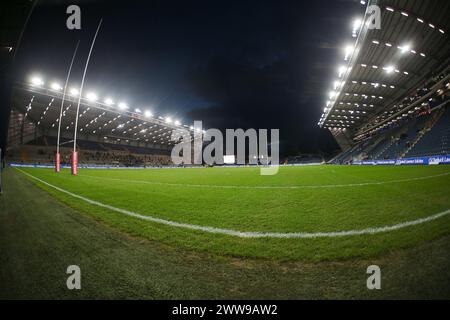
<point>244,234</point>
<point>267,187</point>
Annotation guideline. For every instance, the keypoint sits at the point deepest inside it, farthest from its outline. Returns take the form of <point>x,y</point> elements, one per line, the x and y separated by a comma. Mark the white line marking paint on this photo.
<point>267,187</point>
<point>245,234</point>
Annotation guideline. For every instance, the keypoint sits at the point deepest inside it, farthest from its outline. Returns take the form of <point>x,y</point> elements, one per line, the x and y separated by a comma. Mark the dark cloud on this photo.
<point>246,95</point>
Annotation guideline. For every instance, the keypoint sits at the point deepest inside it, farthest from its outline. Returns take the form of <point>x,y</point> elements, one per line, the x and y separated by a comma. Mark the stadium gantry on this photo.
<point>393,86</point>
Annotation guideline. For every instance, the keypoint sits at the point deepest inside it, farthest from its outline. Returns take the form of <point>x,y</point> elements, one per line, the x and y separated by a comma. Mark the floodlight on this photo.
<point>123,106</point>
<point>56,86</point>
<point>348,51</point>
<point>37,81</point>
<point>405,48</point>
<point>168,120</point>
<point>74,91</point>
<point>148,114</point>
<point>389,69</point>
<point>341,70</point>
<point>109,101</point>
<point>356,24</point>
<point>332,94</point>
<point>177,122</point>
<point>91,96</point>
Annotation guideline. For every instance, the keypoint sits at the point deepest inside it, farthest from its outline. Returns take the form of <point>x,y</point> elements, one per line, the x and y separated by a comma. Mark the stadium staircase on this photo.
<point>407,137</point>
<point>422,132</point>
<point>385,148</point>
<point>343,157</point>
<point>435,140</point>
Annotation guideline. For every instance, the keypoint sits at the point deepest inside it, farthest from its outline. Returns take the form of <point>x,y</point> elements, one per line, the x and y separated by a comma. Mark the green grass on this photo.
<point>40,237</point>
<point>193,196</point>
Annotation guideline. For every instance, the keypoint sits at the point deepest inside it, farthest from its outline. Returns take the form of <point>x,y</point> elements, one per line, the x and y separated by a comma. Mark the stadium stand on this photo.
<point>41,151</point>
<point>304,159</point>
<point>435,140</point>
<point>106,135</point>
<point>391,99</point>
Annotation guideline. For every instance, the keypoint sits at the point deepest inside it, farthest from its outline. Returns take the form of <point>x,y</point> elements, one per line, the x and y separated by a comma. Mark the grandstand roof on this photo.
<point>382,66</point>
<point>111,122</point>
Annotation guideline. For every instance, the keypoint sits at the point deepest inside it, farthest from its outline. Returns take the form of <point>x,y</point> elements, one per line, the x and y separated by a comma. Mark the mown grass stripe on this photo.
<point>266,187</point>
<point>244,234</point>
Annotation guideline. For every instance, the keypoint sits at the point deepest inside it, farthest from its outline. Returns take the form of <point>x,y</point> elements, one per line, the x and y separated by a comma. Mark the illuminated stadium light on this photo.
<point>389,9</point>
<point>74,91</point>
<point>37,81</point>
<point>404,14</point>
<point>177,122</point>
<point>147,114</point>
<point>405,48</point>
<point>91,96</point>
<point>332,94</point>
<point>356,25</point>
<point>168,120</point>
<point>420,20</point>
<point>56,86</point>
<point>109,101</point>
<point>441,31</point>
<point>122,106</point>
<point>348,51</point>
<point>431,25</point>
<point>337,84</point>
<point>137,110</point>
<point>341,71</point>
<point>389,69</point>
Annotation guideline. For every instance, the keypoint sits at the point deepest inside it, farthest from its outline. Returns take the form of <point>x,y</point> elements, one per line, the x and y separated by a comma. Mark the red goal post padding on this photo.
<point>74,162</point>
<point>57,162</point>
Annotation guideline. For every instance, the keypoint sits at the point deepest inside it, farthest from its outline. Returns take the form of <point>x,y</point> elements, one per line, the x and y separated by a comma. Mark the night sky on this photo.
<point>233,64</point>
